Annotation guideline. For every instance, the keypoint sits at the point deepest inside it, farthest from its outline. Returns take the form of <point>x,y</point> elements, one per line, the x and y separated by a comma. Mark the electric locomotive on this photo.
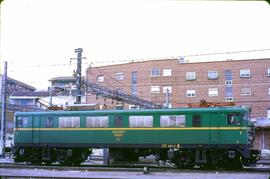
<point>219,137</point>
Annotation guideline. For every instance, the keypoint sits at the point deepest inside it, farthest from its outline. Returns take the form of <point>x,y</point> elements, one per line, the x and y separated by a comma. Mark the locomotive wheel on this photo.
<point>185,160</point>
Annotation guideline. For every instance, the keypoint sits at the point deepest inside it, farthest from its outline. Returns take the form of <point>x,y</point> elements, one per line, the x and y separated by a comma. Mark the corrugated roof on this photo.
<point>11,80</point>
<point>32,94</point>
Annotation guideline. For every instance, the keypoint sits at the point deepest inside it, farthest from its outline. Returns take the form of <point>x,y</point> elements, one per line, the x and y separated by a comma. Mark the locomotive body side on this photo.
<point>167,133</point>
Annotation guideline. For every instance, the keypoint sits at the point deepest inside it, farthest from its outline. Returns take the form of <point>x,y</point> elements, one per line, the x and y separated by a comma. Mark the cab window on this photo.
<point>21,122</point>
<point>233,119</point>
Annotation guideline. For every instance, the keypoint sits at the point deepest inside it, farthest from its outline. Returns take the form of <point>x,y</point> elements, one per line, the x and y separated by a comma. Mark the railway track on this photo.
<point>124,167</point>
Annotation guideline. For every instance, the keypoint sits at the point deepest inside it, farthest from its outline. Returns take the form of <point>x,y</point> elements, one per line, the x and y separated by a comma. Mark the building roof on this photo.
<point>11,80</point>
<point>30,94</point>
<point>180,61</point>
<point>63,78</point>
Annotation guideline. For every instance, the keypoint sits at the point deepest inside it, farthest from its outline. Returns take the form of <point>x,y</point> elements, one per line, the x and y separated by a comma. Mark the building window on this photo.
<point>134,77</point>
<point>140,121</point>
<point>155,72</point>
<point>191,93</point>
<point>167,89</point>
<point>154,89</point>
<point>98,121</point>
<point>228,99</point>
<point>212,75</point>
<point>228,82</point>
<point>133,106</point>
<point>134,83</point>
<point>212,92</point>
<point>246,91</point>
<point>100,78</point>
<point>65,122</point>
<point>167,106</point>
<point>245,73</point>
<point>268,72</point>
<point>167,72</point>
<point>120,76</point>
<point>173,121</point>
<point>190,75</point>
<point>268,113</point>
<point>134,90</point>
<point>269,91</point>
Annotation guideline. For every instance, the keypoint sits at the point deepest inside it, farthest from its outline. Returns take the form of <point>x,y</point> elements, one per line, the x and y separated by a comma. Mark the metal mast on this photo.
<point>4,106</point>
<point>79,75</point>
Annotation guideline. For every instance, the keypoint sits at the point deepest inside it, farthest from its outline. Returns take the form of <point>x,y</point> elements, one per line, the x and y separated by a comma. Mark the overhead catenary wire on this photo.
<point>137,60</point>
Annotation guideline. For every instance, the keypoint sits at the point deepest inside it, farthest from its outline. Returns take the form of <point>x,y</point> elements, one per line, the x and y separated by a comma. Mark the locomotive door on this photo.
<point>36,128</point>
<point>214,123</point>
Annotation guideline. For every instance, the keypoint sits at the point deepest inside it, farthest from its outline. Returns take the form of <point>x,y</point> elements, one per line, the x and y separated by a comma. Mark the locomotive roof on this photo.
<point>138,111</point>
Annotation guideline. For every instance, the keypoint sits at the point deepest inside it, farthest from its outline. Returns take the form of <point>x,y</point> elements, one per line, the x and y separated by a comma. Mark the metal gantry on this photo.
<point>118,95</point>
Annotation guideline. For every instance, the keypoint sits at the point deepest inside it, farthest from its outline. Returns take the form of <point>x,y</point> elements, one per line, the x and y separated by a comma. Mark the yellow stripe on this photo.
<point>131,129</point>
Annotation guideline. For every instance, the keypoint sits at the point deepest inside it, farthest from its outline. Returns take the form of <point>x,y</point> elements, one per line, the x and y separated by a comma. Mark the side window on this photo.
<point>140,121</point>
<point>233,119</point>
<point>97,121</point>
<point>118,121</point>
<point>196,120</point>
<point>49,122</point>
<point>21,122</point>
<point>172,121</point>
<point>65,122</point>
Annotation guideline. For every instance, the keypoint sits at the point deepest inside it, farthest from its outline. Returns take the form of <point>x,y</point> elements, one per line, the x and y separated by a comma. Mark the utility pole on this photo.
<point>79,76</point>
<point>4,107</point>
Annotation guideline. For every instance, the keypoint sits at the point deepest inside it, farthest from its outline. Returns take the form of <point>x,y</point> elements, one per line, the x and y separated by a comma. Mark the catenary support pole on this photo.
<point>79,75</point>
<point>3,111</point>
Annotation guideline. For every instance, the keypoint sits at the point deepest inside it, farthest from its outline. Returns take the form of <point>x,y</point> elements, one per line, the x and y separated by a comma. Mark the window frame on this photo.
<point>243,93</point>
<point>100,78</point>
<point>137,119</point>
<point>213,94</point>
<point>228,82</point>
<point>72,119</point>
<point>233,121</point>
<point>163,120</point>
<point>155,72</point>
<point>155,87</point>
<point>190,96</point>
<point>245,73</point>
<point>229,99</point>
<point>23,121</point>
<point>167,72</point>
<point>190,76</point>
<point>210,77</point>
<point>119,76</point>
<point>165,89</point>
<point>94,120</point>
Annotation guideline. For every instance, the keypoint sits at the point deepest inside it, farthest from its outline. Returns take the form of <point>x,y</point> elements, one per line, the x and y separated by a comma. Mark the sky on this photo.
<point>38,37</point>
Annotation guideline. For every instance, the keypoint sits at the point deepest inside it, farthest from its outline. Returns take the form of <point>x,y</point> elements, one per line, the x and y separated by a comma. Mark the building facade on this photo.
<point>174,83</point>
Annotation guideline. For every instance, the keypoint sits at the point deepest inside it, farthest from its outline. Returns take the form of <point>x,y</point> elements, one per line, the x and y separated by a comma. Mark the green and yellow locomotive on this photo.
<point>221,137</point>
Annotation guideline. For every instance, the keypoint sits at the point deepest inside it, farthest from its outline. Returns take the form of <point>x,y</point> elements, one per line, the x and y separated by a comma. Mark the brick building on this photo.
<point>245,82</point>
